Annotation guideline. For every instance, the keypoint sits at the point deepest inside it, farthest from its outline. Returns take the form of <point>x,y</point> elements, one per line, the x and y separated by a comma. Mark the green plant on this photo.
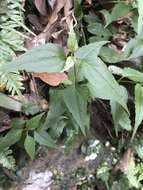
<point>12,37</point>
<point>7,160</point>
<point>68,110</point>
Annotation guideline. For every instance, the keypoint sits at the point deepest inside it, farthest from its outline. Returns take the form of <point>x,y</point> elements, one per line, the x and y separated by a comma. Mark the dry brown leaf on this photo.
<point>41,6</point>
<point>53,79</point>
<point>50,28</point>
<point>58,6</point>
<point>2,88</point>
<point>68,12</point>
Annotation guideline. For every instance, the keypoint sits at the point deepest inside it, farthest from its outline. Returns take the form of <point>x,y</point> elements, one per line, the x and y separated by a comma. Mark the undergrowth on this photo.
<point>113,35</point>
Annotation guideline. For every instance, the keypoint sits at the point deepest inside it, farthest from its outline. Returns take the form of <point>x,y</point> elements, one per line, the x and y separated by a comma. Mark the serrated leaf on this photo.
<point>12,82</point>
<point>10,138</point>
<point>102,83</point>
<point>29,145</point>
<point>44,58</point>
<point>138,107</point>
<point>9,103</point>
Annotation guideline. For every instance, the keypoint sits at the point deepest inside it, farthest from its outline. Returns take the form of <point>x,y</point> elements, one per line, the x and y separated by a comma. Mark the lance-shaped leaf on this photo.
<point>10,138</point>
<point>102,84</point>
<point>9,103</point>
<point>29,145</point>
<point>44,58</point>
<point>120,116</point>
<point>140,18</point>
<point>76,99</point>
<point>129,73</point>
<point>138,107</point>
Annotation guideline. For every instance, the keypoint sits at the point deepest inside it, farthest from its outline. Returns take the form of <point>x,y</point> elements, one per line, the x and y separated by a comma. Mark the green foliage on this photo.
<point>29,145</point>
<point>7,160</point>
<point>89,78</point>
<point>103,173</point>
<point>140,18</point>
<point>12,137</point>
<point>43,138</point>
<point>44,58</point>
<point>11,40</point>
<point>138,107</point>
<point>12,82</point>
<point>121,9</point>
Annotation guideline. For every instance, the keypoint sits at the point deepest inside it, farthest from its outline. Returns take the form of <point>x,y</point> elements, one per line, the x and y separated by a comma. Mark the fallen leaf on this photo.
<point>46,34</point>
<point>53,79</point>
<point>2,88</point>
<point>68,12</point>
<point>41,6</point>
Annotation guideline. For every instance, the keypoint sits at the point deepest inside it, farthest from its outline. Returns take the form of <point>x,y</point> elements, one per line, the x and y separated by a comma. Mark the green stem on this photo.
<point>106,183</point>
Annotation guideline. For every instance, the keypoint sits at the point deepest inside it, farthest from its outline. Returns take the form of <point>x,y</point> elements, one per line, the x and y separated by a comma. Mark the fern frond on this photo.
<point>11,40</point>
<point>12,82</point>
<point>7,160</point>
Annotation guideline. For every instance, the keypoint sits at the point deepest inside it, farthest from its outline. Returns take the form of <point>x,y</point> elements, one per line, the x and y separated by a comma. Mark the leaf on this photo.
<point>140,18</point>
<point>31,108</point>
<point>76,101</point>
<point>138,107</point>
<point>129,73</point>
<point>43,138</point>
<point>120,116</point>
<point>133,74</point>
<point>9,103</point>
<point>29,145</point>
<point>72,40</point>
<point>109,55</point>
<point>120,10</point>
<point>10,138</point>
<point>12,82</point>
<point>41,6</point>
<point>85,52</point>
<point>44,58</point>
<point>53,79</point>
<point>99,30</point>
<point>133,49</point>
<point>34,122</point>
<point>102,83</point>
